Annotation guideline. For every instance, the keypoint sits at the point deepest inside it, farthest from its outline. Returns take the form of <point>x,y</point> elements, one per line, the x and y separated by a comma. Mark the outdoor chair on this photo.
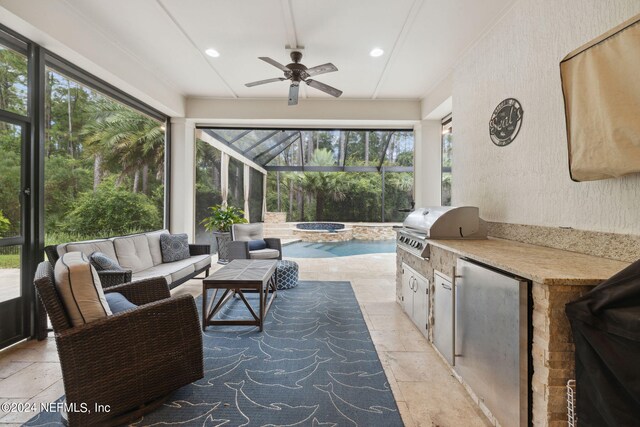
<point>248,242</point>
<point>131,360</point>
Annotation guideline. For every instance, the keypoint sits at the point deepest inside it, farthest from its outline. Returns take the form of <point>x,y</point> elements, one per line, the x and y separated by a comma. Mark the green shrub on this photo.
<point>5,224</point>
<point>111,210</point>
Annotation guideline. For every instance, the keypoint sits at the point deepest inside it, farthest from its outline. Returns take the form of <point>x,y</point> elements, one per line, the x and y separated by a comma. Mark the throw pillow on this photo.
<point>118,302</point>
<point>102,262</point>
<point>174,247</point>
<point>256,245</point>
<point>79,288</point>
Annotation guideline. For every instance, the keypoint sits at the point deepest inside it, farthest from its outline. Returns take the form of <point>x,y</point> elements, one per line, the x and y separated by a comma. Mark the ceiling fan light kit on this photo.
<point>297,72</point>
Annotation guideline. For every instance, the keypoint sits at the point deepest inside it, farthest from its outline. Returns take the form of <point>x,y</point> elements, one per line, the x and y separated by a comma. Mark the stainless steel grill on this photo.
<point>439,222</point>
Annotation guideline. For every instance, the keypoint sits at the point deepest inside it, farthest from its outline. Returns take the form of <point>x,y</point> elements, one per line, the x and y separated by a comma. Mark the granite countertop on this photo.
<point>538,263</point>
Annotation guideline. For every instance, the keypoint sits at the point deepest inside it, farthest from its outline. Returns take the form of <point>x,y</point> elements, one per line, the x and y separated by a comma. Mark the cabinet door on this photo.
<point>407,291</point>
<point>443,314</point>
<point>421,303</point>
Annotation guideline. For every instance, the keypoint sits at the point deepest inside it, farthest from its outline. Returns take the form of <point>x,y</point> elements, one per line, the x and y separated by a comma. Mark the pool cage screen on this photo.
<point>347,175</point>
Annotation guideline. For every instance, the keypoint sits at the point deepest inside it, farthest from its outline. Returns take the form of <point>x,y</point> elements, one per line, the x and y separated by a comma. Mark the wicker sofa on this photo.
<point>140,256</point>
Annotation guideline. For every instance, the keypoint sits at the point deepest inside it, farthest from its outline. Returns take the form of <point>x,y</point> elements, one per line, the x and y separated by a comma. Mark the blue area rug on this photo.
<point>314,365</point>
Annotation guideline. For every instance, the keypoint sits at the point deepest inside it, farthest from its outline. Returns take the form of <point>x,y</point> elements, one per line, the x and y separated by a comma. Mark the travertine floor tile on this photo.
<point>9,367</point>
<point>443,404</point>
<point>30,381</point>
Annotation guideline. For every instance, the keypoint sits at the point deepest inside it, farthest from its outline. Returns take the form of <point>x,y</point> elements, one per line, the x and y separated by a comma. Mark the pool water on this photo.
<point>333,249</point>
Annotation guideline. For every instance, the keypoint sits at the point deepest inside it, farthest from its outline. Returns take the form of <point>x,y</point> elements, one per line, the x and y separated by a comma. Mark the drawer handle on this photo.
<point>447,287</point>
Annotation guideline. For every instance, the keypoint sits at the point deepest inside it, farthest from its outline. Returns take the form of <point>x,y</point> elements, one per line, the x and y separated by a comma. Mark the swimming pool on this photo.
<point>333,249</point>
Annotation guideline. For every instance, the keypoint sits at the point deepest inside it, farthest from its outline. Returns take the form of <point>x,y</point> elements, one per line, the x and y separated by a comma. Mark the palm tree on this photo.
<point>324,186</point>
<point>126,140</point>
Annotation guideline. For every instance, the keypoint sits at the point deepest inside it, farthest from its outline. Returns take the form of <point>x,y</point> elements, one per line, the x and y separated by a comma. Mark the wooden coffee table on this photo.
<point>234,278</point>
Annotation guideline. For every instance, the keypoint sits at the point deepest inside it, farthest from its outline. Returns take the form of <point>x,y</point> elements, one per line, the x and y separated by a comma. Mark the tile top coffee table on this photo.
<point>234,278</point>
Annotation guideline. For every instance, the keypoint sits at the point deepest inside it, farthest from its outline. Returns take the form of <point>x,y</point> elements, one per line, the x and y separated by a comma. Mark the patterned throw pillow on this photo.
<point>174,247</point>
<point>102,262</point>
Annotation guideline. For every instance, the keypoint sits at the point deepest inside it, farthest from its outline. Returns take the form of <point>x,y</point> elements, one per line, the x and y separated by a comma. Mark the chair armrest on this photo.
<point>109,278</point>
<point>143,291</point>
<point>238,250</point>
<point>274,243</point>
<point>52,254</point>
<point>149,350</point>
<point>199,250</point>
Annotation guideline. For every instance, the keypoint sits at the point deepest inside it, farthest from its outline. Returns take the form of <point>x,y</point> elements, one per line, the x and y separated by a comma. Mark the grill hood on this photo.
<point>447,222</point>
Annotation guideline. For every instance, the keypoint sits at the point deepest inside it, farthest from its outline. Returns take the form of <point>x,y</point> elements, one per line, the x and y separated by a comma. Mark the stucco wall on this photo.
<point>528,181</point>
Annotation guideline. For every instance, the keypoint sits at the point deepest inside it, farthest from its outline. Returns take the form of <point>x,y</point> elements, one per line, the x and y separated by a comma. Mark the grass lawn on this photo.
<point>10,261</point>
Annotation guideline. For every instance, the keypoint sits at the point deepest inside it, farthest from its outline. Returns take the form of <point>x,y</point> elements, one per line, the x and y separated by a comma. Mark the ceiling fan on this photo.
<point>297,72</point>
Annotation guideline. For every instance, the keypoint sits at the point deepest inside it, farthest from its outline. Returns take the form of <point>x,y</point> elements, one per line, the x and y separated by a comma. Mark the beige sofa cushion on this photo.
<point>182,273</point>
<point>79,288</point>
<point>173,271</point>
<point>89,247</point>
<point>133,252</point>
<point>201,261</point>
<point>153,239</point>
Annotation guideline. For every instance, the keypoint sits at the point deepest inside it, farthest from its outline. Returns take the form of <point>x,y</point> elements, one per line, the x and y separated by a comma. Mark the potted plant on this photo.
<point>220,222</point>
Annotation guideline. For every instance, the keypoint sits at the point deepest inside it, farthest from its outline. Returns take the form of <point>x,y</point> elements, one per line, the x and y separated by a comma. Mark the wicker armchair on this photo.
<point>130,360</point>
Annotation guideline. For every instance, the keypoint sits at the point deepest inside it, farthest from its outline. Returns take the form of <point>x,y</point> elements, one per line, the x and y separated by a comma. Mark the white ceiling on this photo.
<point>422,40</point>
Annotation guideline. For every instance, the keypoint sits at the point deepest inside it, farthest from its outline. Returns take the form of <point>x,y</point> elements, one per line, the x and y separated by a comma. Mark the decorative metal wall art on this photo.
<point>505,122</point>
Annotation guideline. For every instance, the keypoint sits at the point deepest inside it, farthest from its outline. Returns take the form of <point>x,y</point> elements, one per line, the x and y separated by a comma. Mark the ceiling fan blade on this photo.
<point>274,63</point>
<point>261,82</point>
<point>293,94</point>
<point>321,69</point>
<point>323,87</point>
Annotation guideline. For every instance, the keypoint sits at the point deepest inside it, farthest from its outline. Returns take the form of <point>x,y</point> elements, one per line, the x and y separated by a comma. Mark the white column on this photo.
<point>183,177</point>
<point>427,161</point>
<point>224,177</point>
<point>247,188</point>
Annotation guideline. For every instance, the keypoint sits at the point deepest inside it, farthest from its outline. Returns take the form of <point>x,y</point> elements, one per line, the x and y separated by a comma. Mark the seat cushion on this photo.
<point>154,245</point>
<point>201,261</point>
<point>79,288</point>
<point>172,271</point>
<point>101,262</point>
<point>117,302</point>
<point>174,247</point>
<point>182,273</point>
<point>133,252</point>
<point>256,245</point>
<point>264,254</point>
<point>89,247</point>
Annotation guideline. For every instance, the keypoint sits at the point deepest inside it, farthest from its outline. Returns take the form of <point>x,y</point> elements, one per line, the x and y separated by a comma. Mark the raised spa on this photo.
<point>323,232</point>
<point>320,226</point>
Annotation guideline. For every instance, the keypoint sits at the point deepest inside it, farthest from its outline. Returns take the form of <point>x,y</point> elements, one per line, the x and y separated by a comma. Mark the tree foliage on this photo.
<point>111,210</point>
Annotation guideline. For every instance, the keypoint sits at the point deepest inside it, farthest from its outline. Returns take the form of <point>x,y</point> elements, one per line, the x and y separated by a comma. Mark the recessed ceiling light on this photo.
<point>375,52</point>
<point>212,53</point>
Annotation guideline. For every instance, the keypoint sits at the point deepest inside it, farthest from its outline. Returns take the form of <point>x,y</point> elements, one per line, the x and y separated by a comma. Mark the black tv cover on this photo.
<point>606,330</point>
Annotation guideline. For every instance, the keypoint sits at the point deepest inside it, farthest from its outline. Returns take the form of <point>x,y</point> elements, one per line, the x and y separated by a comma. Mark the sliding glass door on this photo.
<point>14,191</point>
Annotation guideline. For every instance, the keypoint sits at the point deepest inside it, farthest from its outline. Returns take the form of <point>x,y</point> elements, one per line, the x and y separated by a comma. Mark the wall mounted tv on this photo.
<point>601,88</point>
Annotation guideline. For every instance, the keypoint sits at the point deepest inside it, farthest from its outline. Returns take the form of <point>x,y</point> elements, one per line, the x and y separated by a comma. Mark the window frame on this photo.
<point>447,129</point>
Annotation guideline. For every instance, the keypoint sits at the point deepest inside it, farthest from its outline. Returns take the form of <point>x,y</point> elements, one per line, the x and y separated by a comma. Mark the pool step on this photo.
<point>283,230</point>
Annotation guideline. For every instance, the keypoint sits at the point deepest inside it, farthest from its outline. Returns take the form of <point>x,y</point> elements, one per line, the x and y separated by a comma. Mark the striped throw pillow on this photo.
<point>79,288</point>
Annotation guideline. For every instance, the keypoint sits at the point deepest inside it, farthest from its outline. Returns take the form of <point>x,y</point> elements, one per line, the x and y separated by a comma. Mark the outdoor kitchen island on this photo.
<point>552,278</point>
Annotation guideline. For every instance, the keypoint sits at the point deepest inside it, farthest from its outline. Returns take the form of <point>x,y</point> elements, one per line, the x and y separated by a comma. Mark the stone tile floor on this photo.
<point>426,392</point>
